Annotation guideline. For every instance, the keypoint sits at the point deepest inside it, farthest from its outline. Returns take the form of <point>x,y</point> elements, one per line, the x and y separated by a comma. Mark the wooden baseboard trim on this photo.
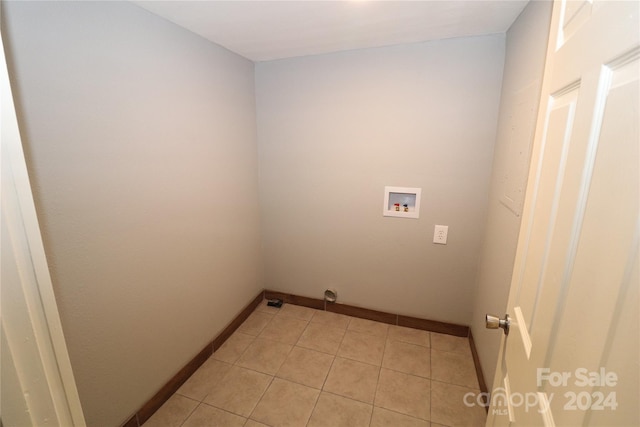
<point>434,326</point>
<point>366,313</point>
<point>476,361</point>
<point>318,304</point>
<point>149,408</point>
<point>363,313</point>
<point>132,422</point>
<point>236,322</point>
<point>153,404</point>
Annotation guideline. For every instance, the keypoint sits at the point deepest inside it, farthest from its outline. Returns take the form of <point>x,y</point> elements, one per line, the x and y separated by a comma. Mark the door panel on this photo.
<point>621,353</point>
<point>574,14</point>
<point>557,142</point>
<point>605,249</point>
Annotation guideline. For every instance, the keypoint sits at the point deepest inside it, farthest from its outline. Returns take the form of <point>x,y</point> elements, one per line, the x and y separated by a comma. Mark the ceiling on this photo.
<point>269,30</point>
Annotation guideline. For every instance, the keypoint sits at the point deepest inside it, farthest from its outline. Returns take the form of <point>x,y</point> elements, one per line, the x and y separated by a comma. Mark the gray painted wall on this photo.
<point>334,129</point>
<point>140,141</point>
<point>524,66</point>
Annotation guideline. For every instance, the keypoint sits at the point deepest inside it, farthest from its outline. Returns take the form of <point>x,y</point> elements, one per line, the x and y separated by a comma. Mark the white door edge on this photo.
<point>18,211</point>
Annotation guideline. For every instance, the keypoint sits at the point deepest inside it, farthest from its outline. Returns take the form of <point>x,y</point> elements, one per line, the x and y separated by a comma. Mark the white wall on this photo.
<point>524,65</point>
<point>335,129</point>
<point>140,140</point>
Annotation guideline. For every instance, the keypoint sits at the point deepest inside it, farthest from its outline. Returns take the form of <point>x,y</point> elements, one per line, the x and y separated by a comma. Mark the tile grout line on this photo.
<point>241,367</point>
<point>430,382</point>
<point>260,399</point>
<point>225,375</point>
<point>285,359</point>
<point>375,395</point>
<point>335,356</point>
<point>190,413</point>
<point>333,393</point>
<point>279,313</point>
<point>406,415</point>
<point>320,391</point>
<point>253,370</point>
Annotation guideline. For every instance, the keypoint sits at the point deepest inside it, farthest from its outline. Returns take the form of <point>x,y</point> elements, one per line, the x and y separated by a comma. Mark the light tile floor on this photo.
<point>296,366</point>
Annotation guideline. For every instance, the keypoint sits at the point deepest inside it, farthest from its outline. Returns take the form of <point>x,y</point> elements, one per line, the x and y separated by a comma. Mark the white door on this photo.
<point>38,387</point>
<point>571,356</point>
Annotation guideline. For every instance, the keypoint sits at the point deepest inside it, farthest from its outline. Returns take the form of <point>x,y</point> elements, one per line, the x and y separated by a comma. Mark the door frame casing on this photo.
<point>34,337</point>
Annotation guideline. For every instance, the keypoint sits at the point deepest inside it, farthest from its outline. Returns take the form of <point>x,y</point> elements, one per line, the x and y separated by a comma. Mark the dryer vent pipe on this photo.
<point>330,295</point>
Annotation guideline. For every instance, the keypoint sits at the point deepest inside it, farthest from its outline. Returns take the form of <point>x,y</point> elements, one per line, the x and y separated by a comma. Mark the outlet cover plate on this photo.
<point>440,234</point>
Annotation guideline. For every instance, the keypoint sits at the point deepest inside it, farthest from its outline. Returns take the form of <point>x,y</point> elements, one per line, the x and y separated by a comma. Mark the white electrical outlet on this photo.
<point>440,234</point>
